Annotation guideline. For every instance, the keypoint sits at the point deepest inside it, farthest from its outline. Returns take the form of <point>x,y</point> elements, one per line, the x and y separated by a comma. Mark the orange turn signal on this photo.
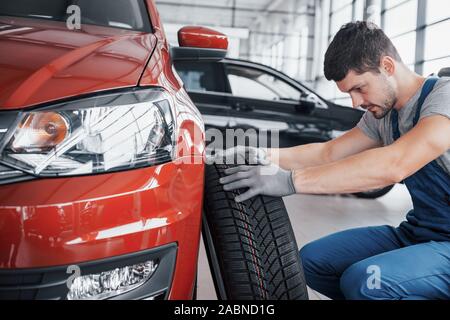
<point>41,130</point>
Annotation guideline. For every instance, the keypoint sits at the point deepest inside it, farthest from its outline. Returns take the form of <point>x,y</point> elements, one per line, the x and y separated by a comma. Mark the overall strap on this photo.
<point>395,129</point>
<point>426,90</point>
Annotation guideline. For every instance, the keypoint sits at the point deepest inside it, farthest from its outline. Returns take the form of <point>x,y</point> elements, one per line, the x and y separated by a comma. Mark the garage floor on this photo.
<point>313,217</point>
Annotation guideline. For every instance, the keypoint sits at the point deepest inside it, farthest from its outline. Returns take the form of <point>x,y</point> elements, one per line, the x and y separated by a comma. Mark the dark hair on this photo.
<point>358,46</point>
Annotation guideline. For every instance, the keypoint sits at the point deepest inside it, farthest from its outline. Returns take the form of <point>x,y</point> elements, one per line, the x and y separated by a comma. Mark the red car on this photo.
<point>101,155</point>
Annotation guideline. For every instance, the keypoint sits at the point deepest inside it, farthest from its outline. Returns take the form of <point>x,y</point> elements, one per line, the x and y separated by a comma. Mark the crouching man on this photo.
<point>403,136</point>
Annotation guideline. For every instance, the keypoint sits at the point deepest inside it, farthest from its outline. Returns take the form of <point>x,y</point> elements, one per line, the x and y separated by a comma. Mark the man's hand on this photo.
<point>240,155</point>
<point>268,180</point>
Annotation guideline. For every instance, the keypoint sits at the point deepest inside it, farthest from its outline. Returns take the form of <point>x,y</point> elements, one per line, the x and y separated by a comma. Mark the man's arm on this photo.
<point>378,168</point>
<point>317,154</point>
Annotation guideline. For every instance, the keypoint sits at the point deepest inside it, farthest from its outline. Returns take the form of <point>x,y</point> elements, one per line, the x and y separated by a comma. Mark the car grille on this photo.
<point>33,284</point>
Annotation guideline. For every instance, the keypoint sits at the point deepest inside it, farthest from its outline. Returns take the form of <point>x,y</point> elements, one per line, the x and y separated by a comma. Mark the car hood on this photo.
<point>43,61</point>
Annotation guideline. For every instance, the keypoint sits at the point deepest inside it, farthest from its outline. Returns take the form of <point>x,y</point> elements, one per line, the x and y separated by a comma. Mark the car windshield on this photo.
<point>126,14</point>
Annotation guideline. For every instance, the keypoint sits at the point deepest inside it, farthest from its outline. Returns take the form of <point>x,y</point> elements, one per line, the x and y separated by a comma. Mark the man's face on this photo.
<point>370,91</point>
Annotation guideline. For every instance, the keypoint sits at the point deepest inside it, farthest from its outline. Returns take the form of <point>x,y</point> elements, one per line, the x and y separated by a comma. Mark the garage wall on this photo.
<point>417,27</point>
<point>293,35</point>
<point>285,41</point>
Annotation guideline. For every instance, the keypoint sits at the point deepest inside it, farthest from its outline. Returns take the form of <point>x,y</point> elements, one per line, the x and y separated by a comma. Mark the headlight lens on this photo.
<point>94,135</point>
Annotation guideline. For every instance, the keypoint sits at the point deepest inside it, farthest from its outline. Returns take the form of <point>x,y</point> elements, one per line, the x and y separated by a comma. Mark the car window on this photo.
<point>125,14</point>
<point>257,84</point>
<point>201,76</point>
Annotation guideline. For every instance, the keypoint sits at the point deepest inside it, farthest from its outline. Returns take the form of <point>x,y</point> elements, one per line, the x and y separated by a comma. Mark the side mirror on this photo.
<point>201,37</point>
<point>200,43</point>
<point>307,103</point>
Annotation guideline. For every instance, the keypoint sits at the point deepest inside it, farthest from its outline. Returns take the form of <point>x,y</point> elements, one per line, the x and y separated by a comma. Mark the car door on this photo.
<point>264,93</point>
<point>237,94</point>
<point>269,100</point>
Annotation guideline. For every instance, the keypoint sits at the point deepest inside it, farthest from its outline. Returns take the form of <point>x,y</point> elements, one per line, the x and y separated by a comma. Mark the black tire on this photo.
<point>194,292</point>
<point>251,247</point>
<point>374,194</point>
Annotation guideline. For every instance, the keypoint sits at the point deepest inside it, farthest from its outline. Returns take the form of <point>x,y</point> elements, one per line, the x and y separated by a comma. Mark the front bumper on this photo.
<point>65,221</point>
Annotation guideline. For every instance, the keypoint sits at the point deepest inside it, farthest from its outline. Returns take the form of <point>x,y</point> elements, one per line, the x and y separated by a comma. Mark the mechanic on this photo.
<point>404,136</point>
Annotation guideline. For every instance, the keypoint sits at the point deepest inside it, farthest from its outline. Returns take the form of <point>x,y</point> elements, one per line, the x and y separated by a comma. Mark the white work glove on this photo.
<point>268,180</point>
<point>239,155</point>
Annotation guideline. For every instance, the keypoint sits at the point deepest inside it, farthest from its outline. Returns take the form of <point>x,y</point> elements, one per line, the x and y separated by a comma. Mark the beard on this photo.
<point>381,111</point>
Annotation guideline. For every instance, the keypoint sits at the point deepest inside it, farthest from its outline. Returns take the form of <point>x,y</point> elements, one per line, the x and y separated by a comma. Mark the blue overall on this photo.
<point>387,263</point>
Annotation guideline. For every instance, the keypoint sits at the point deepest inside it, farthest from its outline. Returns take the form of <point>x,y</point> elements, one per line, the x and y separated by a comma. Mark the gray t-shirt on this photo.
<point>437,103</point>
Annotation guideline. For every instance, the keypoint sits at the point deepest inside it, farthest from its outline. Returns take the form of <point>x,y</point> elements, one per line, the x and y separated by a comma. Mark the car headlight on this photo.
<point>100,134</point>
<point>111,283</point>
